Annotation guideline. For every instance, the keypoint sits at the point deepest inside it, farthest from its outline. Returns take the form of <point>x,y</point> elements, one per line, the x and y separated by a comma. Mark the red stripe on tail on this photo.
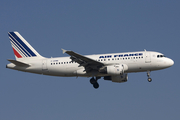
<point>17,54</point>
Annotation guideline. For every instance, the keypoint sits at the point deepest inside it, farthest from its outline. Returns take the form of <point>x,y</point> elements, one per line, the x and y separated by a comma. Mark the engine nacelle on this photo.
<point>117,78</point>
<point>114,69</point>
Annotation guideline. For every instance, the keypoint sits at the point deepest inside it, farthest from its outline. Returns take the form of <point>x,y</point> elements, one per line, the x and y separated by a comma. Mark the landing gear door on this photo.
<point>147,57</point>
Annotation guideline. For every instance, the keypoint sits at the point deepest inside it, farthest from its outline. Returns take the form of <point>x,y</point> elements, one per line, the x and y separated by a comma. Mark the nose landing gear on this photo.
<point>94,82</point>
<point>148,74</point>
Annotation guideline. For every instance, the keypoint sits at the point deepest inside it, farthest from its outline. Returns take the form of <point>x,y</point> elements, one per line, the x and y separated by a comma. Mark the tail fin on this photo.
<point>21,48</point>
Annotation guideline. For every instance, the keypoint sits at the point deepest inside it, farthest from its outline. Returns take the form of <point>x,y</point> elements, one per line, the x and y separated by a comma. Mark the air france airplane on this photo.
<point>113,67</point>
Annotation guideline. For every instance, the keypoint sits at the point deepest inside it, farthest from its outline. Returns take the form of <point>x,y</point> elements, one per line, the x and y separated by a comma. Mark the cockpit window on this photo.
<point>160,56</point>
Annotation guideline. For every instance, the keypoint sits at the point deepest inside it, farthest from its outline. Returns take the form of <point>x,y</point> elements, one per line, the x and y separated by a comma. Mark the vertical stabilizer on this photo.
<point>22,49</point>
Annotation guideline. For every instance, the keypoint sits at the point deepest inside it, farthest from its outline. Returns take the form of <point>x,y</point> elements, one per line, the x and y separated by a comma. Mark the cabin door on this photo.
<point>147,57</point>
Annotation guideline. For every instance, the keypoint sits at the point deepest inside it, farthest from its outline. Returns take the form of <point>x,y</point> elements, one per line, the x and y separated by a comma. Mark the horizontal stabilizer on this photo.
<point>18,63</point>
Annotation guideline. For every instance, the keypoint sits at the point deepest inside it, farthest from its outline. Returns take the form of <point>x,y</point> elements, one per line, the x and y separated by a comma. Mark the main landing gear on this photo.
<point>148,74</point>
<point>94,82</point>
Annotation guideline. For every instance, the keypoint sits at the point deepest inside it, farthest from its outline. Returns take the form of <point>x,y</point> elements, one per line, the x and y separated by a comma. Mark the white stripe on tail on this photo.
<point>22,49</point>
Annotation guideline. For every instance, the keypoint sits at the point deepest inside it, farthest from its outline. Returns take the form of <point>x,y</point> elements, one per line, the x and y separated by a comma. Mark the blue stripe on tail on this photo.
<point>20,43</point>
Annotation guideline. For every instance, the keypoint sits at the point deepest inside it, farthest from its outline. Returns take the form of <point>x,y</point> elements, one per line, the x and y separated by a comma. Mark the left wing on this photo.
<point>88,63</point>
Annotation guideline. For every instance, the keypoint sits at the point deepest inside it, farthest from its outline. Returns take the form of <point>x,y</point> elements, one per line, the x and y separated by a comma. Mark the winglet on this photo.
<point>64,51</point>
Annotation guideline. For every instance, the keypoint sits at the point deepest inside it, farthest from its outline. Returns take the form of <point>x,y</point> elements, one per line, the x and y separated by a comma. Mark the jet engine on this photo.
<point>117,78</point>
<point>114,69</point>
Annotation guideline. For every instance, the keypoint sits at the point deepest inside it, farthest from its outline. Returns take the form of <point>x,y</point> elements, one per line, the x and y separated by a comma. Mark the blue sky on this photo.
<point>90,27</point>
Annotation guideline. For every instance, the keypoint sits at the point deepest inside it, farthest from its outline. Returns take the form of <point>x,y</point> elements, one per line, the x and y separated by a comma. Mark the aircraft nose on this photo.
<point>170,62</point>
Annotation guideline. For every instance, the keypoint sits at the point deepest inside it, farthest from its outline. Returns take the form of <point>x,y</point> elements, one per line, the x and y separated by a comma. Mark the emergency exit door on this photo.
<point>44,64</point>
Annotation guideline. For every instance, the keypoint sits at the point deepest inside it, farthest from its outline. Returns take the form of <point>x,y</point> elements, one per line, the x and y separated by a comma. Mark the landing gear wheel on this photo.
<point>96,85</point>
<point>148,74</point>
<point>92,81</point>
<point>149,79</point>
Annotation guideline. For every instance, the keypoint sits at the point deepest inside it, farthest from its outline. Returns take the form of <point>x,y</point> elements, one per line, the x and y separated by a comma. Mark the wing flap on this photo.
<point>18,63</point>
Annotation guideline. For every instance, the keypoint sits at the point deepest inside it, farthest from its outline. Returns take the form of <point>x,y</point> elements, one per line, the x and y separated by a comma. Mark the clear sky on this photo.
<point>91,27</point>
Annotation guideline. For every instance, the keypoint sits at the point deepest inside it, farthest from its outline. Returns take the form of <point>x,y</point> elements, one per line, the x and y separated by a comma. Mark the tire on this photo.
<point>96,85</point>
<point>149,79</point>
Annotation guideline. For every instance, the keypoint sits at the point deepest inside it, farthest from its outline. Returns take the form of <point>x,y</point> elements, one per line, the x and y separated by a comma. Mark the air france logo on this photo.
<point>122,55</point>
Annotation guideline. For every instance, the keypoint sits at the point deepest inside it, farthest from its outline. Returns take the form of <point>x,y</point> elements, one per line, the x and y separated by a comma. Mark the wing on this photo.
<point>88,63</point>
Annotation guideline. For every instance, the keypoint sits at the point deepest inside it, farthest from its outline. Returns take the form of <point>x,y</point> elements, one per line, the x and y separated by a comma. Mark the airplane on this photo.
<point>113,67</point>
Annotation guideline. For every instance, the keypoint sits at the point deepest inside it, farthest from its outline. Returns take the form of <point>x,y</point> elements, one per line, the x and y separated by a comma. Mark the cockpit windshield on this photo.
<point>160,56</point>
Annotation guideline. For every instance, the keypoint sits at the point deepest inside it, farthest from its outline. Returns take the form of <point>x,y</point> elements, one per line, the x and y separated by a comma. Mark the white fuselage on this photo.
<point>63,66</point>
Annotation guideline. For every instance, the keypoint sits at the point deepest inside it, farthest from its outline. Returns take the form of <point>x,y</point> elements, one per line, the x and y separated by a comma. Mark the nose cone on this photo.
<point>170,62</point>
